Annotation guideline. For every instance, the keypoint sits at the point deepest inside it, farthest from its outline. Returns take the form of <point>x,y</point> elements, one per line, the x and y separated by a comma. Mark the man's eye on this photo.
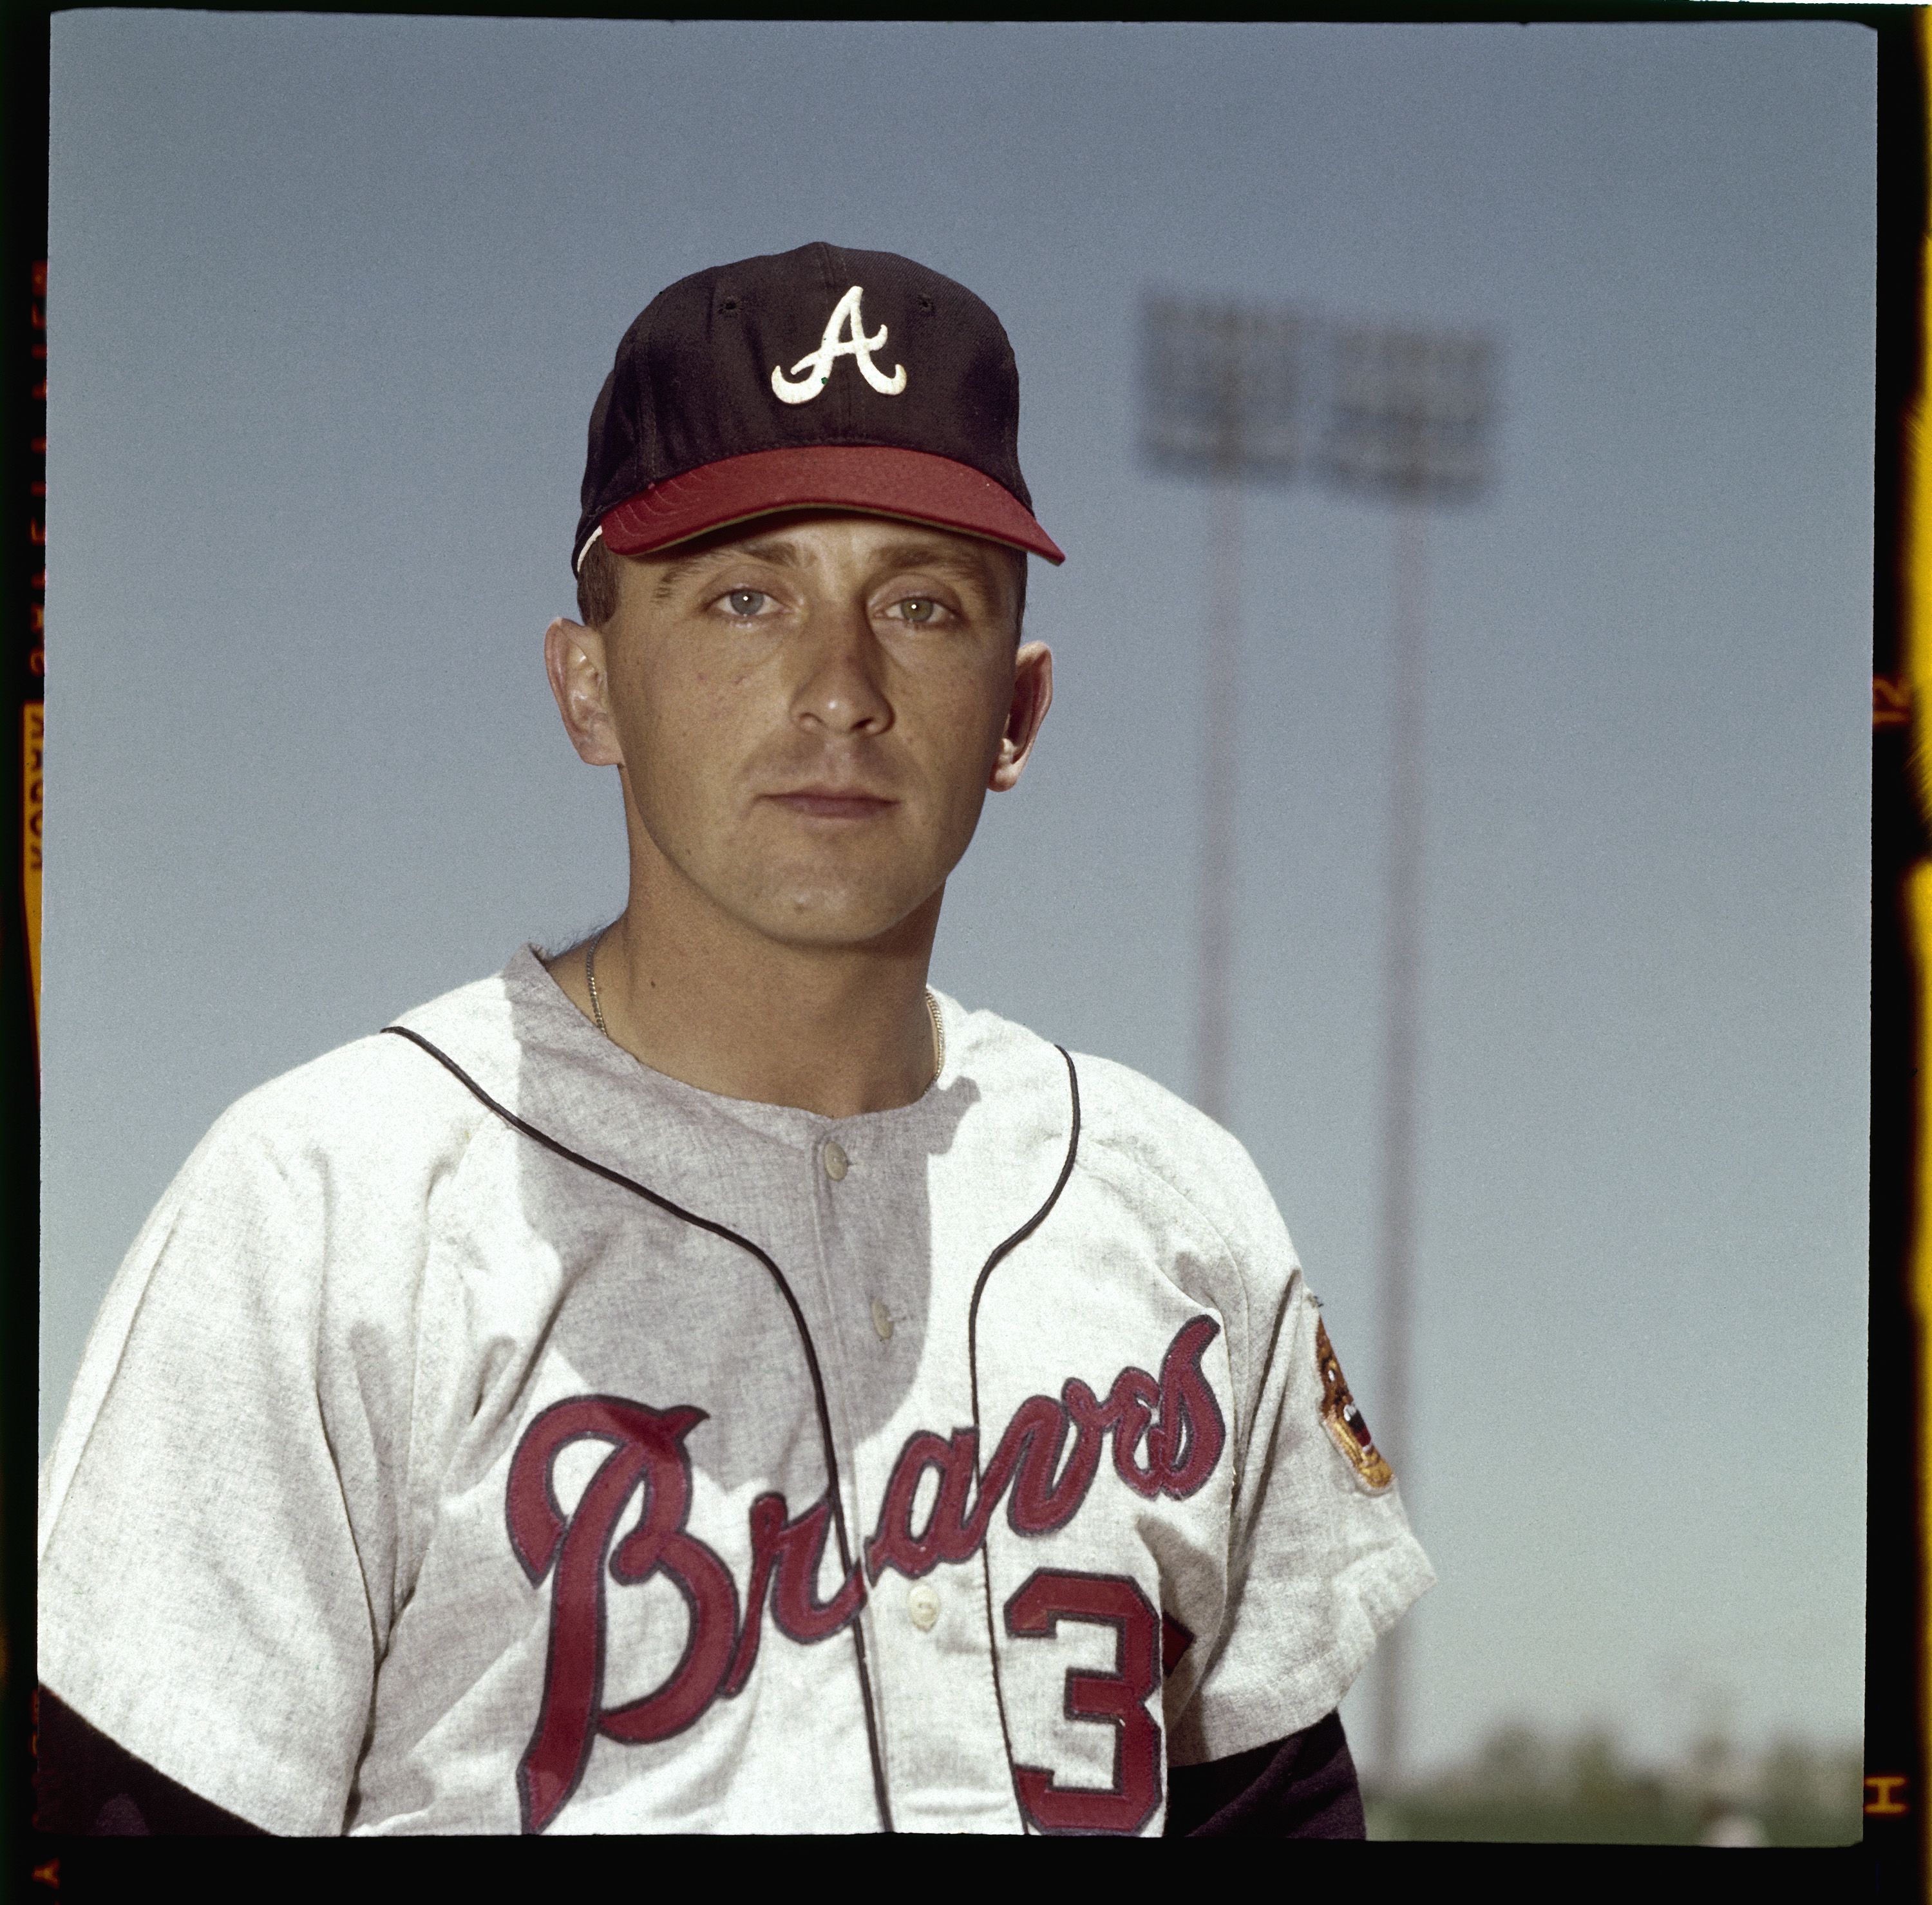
<point>919,609</point>
<point>746,601</point>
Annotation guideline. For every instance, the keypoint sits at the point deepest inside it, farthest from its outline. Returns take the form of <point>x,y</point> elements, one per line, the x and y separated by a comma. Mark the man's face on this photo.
<point>809,712</point>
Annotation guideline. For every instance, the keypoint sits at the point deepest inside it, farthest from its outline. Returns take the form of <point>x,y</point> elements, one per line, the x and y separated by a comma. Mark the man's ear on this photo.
<point>1032,695</point>
<point>574,658</point>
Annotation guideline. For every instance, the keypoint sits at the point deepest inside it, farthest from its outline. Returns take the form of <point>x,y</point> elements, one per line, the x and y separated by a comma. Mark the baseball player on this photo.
<point>706,1380</point>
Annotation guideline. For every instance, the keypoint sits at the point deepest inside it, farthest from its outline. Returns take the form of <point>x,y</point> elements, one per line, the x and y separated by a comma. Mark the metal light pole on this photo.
<point>1405,416</point>
<point>1222,388</point>
<point>1220,788</point>
<point>1409,421</point>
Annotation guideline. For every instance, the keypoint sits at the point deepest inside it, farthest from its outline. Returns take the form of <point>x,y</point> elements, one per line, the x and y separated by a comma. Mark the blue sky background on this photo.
<point>330,298</point>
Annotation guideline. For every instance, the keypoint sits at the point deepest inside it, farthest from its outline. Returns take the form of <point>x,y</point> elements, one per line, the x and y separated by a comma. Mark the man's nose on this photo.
<point>842,687</point>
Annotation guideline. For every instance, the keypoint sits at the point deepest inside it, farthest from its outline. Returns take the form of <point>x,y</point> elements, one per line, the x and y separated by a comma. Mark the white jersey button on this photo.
<point>836,1162</point>
<point>882,1321</point>
<point>922,1604</point>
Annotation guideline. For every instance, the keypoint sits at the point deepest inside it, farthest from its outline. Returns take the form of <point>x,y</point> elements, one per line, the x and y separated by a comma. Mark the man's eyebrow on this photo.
<point>935,555</point>
<point>782,552</point>
<point>671,574</point>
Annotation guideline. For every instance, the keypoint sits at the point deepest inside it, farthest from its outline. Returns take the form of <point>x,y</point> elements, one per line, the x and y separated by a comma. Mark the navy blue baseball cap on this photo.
<point>818,378</point>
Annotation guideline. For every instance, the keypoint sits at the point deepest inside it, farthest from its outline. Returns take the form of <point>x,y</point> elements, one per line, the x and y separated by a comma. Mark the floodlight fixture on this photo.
<point>1408,412</point>
<point>1225,386</point>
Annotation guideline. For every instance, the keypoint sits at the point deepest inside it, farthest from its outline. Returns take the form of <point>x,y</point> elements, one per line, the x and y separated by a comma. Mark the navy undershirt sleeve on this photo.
<point>1301,1787</point>
<point>86,1785</point>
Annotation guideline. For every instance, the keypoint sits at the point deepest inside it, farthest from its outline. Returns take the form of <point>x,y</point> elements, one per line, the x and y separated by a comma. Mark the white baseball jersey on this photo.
<point>487,1433</point>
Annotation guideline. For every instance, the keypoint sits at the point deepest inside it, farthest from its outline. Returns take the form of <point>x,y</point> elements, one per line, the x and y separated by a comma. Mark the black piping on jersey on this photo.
<point>1018,1237</point>
<point>835,1491</point>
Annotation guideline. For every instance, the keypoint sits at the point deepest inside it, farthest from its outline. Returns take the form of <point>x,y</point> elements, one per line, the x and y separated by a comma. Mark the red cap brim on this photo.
<point>913,485</point>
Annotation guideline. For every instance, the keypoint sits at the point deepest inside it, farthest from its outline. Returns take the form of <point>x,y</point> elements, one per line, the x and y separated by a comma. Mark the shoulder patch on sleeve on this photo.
<point>1343,1420</point>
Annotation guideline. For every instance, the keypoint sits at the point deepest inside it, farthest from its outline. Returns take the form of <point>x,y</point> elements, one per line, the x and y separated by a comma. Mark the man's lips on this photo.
<point>833,803</point>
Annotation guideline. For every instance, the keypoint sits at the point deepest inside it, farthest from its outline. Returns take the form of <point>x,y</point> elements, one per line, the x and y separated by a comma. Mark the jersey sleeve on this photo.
<point>1320,1557</point>
<point>213,1515</point>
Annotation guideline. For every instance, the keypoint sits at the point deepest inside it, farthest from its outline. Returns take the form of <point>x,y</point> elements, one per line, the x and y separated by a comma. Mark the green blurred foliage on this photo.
<point>1583,1790</point>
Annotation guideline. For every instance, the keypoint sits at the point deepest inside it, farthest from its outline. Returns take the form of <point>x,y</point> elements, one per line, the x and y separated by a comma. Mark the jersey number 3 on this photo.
<point>1046,1599</point>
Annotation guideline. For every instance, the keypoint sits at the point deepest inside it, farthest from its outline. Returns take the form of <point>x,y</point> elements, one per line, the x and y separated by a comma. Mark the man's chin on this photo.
<point>826,919</point>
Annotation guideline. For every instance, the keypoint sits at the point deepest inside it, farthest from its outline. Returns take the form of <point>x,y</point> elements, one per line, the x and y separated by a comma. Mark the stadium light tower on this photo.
<point>1234,394</point>
<point>1408,420</point>
<point>1223,390</point>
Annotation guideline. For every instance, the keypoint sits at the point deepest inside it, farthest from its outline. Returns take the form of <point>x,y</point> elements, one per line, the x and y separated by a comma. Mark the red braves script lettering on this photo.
<point>1183,1442</point>
<point>1167,1434</point>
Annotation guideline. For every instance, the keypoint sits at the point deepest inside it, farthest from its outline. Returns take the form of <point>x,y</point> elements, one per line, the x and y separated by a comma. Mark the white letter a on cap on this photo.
<point>813,371</point>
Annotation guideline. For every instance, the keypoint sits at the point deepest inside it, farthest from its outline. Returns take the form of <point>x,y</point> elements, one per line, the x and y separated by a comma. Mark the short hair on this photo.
<point>597,586</point>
